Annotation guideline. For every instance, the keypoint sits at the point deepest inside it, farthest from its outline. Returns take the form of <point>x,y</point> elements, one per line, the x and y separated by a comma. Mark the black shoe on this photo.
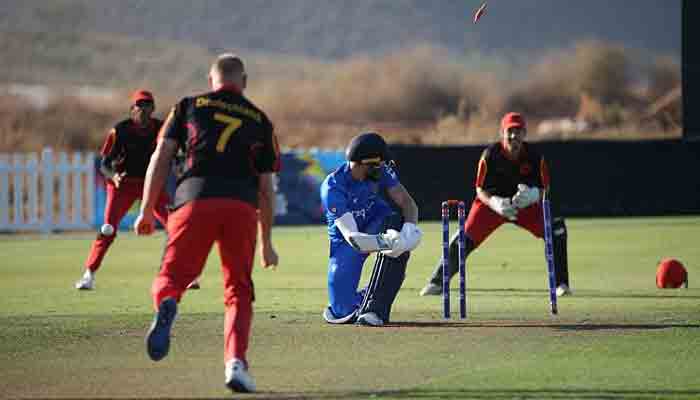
<point>158,337</point>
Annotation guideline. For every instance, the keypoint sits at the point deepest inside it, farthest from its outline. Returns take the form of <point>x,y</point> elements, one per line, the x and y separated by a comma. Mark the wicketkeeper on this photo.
<point>511,179</point>
<point>358,199</point>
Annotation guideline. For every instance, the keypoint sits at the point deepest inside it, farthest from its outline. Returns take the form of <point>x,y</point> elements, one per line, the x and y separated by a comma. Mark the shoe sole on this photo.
<point>363,322</point>
<point>238,387</point>
<point>158,337</point>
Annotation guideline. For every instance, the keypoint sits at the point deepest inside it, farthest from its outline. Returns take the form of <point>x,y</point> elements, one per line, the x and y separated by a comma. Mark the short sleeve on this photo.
<point>481,170</point>
<point>389,178</point>
<point>267,158</point>
<point>110,146</point>
<point>334,201</point>
<point>174,126</point>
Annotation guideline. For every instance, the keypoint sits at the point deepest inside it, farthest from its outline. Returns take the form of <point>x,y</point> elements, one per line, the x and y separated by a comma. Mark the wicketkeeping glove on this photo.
<point>526,196</point>
<point>503,207</point>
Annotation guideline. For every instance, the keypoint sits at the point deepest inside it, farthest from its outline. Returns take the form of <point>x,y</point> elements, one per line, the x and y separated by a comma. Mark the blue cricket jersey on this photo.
<point>340,193</point>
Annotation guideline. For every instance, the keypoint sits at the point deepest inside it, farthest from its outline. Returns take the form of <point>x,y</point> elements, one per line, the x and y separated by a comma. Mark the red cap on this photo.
<point>141,95</point>
<point>671,274</point>
<point>513,119</point>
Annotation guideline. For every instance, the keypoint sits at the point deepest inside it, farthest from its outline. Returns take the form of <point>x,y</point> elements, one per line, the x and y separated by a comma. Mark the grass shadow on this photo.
<point>485,394</point>
<point>520,292</point>
<point>562,326</point>
<point>498,394</point>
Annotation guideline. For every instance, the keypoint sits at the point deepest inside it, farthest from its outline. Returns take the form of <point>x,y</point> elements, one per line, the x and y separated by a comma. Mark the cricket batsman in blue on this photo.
<point>368,211</point>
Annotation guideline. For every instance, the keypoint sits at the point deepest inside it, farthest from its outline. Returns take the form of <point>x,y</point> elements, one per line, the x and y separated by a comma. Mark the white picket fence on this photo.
<point>47,193</point>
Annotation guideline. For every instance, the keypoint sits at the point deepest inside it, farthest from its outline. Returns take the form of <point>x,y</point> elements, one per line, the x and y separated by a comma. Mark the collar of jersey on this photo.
<point>142,129</point>
<point>229,87</point>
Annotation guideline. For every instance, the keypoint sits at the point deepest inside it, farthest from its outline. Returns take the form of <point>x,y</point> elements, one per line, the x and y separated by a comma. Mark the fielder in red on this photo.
<point>125,156</point>
<point>224,193</point>
<point>511,179</point>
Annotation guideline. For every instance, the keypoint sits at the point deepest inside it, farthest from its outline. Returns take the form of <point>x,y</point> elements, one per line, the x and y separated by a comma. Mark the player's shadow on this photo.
<point>485,394</point>
<point>559,326</point>
<point>520,292</point>
<point>502,394</point>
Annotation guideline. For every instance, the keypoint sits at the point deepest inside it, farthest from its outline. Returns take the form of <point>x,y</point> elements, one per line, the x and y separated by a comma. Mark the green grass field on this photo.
<point>618,337</point>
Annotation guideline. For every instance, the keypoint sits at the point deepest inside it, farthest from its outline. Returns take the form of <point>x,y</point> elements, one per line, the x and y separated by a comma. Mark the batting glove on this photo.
<point>406,240</point>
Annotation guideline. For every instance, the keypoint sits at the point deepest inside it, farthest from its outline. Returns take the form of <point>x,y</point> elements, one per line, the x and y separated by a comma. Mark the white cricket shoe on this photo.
<point>564,290</point>
<point>237,377</point>
<point>87,282</point>
<point>369,319</point>
<point>431,289</point>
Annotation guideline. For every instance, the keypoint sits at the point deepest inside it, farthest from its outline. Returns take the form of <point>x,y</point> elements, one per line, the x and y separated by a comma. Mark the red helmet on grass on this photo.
<point>671,274</point>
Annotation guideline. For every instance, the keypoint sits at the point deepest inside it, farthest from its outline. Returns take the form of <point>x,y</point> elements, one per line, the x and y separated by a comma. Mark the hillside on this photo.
<point>341,28</point>
<point>325,70</point>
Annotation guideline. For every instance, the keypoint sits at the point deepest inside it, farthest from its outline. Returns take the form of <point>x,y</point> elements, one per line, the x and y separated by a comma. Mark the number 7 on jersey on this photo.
<point>231,125</point>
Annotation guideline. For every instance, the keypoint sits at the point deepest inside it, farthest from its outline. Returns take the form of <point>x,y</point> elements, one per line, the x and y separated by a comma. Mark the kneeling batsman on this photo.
<point>368,211</point>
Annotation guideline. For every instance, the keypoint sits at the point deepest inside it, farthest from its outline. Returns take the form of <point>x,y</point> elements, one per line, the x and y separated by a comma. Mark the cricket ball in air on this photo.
<point>107,230</point>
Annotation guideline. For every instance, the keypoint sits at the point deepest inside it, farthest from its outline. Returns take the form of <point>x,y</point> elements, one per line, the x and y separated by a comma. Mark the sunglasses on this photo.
<point>143,103</point>
<point>516,131</point>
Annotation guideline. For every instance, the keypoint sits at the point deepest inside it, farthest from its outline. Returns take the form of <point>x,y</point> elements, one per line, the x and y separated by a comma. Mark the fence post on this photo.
<point>33,189</point>
<point>17,189</point>
<point>4,193</point>
<point>63,170</point>
<point>77,172</point>
<point>47,183</point>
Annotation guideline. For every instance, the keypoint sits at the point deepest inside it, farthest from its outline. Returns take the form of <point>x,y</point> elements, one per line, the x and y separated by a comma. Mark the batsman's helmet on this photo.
<point>367,147</point>
<point>671,274</point>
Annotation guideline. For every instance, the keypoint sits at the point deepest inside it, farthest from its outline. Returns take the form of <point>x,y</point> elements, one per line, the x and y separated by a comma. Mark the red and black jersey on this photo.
<point>129,146</point>
<point>227,143</point>
<point>500,175</point>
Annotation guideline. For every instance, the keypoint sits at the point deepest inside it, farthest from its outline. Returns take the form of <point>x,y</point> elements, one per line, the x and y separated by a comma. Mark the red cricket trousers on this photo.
<point>119,201</point>
<point>482,221</point>
<point>192,230</point>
